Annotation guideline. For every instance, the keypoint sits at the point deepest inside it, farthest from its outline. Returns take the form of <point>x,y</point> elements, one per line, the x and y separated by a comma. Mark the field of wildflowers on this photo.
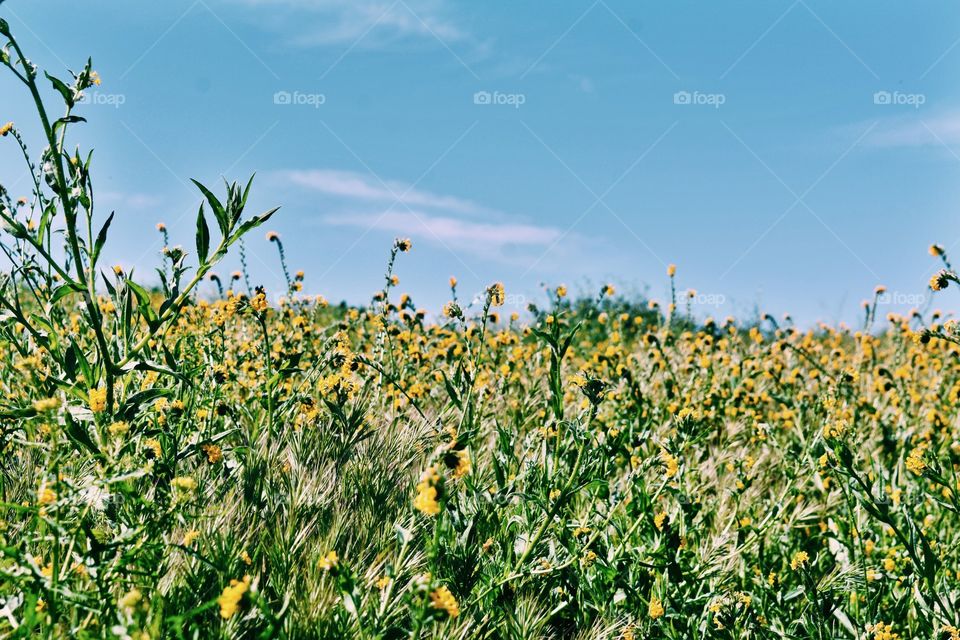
<point>176,466</point>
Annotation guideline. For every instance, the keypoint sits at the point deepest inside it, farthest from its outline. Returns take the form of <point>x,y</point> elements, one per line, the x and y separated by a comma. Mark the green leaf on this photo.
<point>64,90</point>
<point>218,211</point>
<point>70,364</point>
<point>130,407</point>
<point>143,300</point>
<point>252,224</point>
<point>102,236</point>
<point>81,359</point>
<point>451,391</point>
<point>150,365</point>
<point>48,213</point>
<point>71,119</point>
<point>246,192</point>
<point>79,434</point>
<point>203,236</point>
<point>63,291</point>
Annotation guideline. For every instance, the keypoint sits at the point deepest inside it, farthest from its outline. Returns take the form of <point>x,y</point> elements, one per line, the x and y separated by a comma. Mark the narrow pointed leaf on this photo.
<point>203,237</point>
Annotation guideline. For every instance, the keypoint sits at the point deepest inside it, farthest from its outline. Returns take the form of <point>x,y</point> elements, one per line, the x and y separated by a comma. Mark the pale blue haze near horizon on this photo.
<point>786,155</point>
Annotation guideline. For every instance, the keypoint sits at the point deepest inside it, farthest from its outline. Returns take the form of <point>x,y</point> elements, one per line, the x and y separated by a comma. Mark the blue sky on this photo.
<point>790,154</point>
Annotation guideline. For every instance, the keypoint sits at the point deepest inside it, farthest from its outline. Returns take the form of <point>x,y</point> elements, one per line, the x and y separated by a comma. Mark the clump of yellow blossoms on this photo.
<point>184,483</point>
<point>426,500</point>
<point>799,560</point>
<point>329,561</point>
<point>671,464</point>
<point>213,453</point>
<point>441,598</point>
<point>153,448</point>
<point>459,462</point>
<point>229,600</point>
<point>47,404</point>
<point>496,294</point>
<point>655,608</point>
<point>98,400</point>
<point>259,302</point>
<point>915,461</point>
<point>882,631</point>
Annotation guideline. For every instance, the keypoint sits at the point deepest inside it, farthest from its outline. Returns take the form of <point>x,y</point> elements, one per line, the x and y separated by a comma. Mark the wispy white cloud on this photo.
<point>364,23</point>
<point>918,130</point>
<point>476,237</point>
<point>349,184</point>
<point>395,207</point>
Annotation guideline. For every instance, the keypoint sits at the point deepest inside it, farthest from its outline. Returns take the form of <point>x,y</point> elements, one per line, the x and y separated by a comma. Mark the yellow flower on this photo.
<point>463,466</point>
<point>800,559</point>
<point>328,561</point>
<point>915,461</point>
<point>259,302</point>
<point>131,599</point>
<point>5,129</point>
<point>47,404</point>
<point>214,453</point>
<point>118,428</point>
<point>229,600</point>
<point>496,294</point>
<point>442,599</point>
<point>190,537</point>
<point>98,400</point>
<point>562,291</point>
<point>655,609</point>
<point>426,499</point>
<point>184,483</point>
<point>46,495</point>
<point>659,519</point>
<point>404,244</point>
<point>671,463</point>
<point>672,270</point>
<point>152,448</point>
<point>940,280</point>
<point>882,631</point>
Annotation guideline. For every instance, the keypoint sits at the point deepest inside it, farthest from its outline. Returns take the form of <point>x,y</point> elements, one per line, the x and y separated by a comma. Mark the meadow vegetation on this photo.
<point>174,465</point>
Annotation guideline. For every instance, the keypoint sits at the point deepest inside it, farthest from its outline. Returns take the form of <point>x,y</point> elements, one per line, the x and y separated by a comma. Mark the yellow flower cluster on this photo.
<point>426,499</point>
<point>98,400</point>
<point>441,598</point>
<point>229,600</point>
<point>655,608</point>
<point>799,560</point>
